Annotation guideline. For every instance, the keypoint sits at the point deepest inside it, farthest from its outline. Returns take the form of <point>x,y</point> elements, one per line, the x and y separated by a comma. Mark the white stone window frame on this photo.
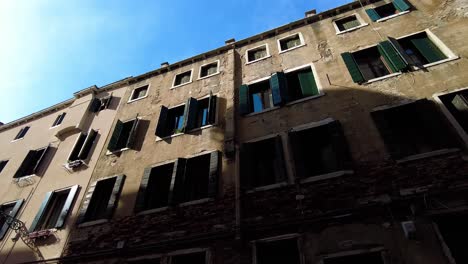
<point>317,82</point>
<point>362,23</point>
<point>254,49</point>
<point>301,38</point>
<point>392,16</point>
<point>296,236</point>
<point>130,100</point>
<point>210,75</point>
<point>460,131</point>
<point>208,257</point>
<point>185,83</point>
<point>436,41</point>
<point>354,253</point>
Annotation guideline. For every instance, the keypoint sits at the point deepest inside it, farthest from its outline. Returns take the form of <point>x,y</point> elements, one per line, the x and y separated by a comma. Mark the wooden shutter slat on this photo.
<point>392,55</point>
<point>41,211</point>
<point>87,145</point>
<point>113,200</point>
<point>161,130</point>
<point>212,109</point>
<point>400,50</point>
<point>140,203</point>
<point>373,15</point>
<point>279,160</point>
<point>86,200</point>
<point>67,206</point>
<point>308,84</point>
<point>190,114</point>
<point>133,133</point>
<point>279,88</point>
<point>214,174</point>
<point>38,162</point>
<point>115,136</point>
<point>244,100</point>
<point>176,191</point>
<point>353,68</point>
<point>14,212</point>
<point>428,49</point>
<point>401,5</point>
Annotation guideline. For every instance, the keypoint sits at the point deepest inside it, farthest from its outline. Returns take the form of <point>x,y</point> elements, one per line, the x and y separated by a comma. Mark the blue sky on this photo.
<point>52,48</point>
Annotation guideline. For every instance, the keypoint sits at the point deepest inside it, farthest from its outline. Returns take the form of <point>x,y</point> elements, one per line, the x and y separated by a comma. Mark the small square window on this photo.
<point>290,42</point>
<point>366,258</point>
<point>124,135</point>
<point>21,133</point>
<point>182,78</point>
<point>191,258</point>
<point>59,119</point>
<point>257,53</point>
<point>348,23</point>
<point>209,69</point>
<point>279,251</point>
<point>3,163</point>
<point>139,93</point>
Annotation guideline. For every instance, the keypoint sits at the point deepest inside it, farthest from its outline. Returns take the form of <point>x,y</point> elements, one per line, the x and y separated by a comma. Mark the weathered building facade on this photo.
<point>338,138</point>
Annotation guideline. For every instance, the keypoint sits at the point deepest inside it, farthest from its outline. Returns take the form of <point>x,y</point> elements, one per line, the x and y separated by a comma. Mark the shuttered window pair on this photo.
<point>99,104</point>
<point>320,150</point>
<point>101,199</point>
<point>83,145</point>
<point>21,133</point>
<point>124,135</point>
<point>281,88</point>
<point>31,163</point>
<point>413,128</point>
<point>195,114</point>
<point>386,10</point>
<point>182,181</point>
<point>54,209</point>
<point>10,209</point>
<point>59,119</point>
<point>457,104</point>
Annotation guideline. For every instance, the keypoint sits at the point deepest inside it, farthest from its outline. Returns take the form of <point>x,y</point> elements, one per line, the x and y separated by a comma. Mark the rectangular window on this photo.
<point>10,209</point>
<point>191,258</point>
<point>319,150</point>
<point>101,199</point>
<point>54,209</point>
<point>139,93</point>
<point>301,83</point>
<point>209,69</point>
<point>257,53</point>
<point>457,104</point>
<point>21,133</point>
<point>124,135</point>
<point>260,96</point>
<point>412,129</point>
<point>31,163</point>
<point>182,78</point>
<point>278,251</point>
<point>290,42</point>
<point>3,163</point>
<point>453,230</point>
<point>155,188</point>
<point>365,258</point>
<point>347,23</point>
<point>419,50</point>
<point>395,8</point>
<point>59,119</point>
<point>83,145</point>
<point>262,163</point>
<point>99,104</point>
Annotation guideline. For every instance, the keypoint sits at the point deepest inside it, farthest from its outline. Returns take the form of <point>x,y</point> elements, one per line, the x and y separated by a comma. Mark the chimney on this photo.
<point>164,64</point>
<point>230,41</point>
<point>310,13</point>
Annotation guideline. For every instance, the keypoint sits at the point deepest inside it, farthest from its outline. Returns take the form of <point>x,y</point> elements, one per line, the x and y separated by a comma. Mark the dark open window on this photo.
<point>182,78</point>
<point>31,162</point>
<point>454,230</point>
<point>319,150</point>
<point>457,105</point>
<point>386,10</point>
<point>209,69</point>
<point>191,258</point>
<point>347,23</point>
<point>371,63</point>
<point>83,146</point>
<point>10,209</point>
<point>279,251</point>
<point>139,93</point>
<point>196,178</point>
<point>366,258</point>
<point>59,119</point>
<point>3,163</point>
<point>21,133</point>
<point>257,53</point>
<point>290,42</point>
<point>301,84</point>
<point>260,96</point>
<point>155,188</point>
<point>419,49</point>
<point>145,261</point>
<point>99,104</point>
<point>262,163</point>
<point>124,135</point>
<point>54,209</point>
<point>412,129</point>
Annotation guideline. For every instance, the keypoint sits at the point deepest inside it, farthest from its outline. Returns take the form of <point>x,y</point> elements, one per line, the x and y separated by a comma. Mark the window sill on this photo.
<point>180,85</point>
<point>268,187</point>
<point>264,58</point>
<point>435,63</point>
<point>208,76</point>
<point>151,211</point>
<point>137,99</point>
<point>188,132</point>
<point>383,77</point>
<point>427,155</point>
<point>393,16</point>
<point>14,140</point>
<point>52,127</point>
<point>351,29</point>
<point>194,202</point>
<point>293,48</point>
<point>24,177</point>
<point>92,223</point>
<point>263,111</point>
<point>330,175</point>
<point>116,151</point>
<point>305,99</point>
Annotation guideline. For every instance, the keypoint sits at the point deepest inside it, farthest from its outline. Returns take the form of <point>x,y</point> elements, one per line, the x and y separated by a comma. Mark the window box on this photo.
<point>349,23</point>
<point>208,70</point>
<point>256,54</point>
<point>182,79</point>
<point>139,93</point>
<point>290,42</point>
<point>388,11</point>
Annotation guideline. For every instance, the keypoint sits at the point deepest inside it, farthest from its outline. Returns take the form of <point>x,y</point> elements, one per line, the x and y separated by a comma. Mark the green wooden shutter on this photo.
<point>401,5</point>
<point>428,49</point>
<point>176,191</point>
<point>340,145</point>
<point>13,213</point>
<point>295,142</point>
<point>353,68</point>
<point>190,114</point>
<point>244,100</point>
<point>308,84</point>
<point>41,211</point>
<point>39,160</point>
<point>279,160</point>
<point>140,203</point>
<point>279,88</point>
<point>27,162</point>
<point>400,50</point>
<point>212,108</point>
<point>161,130</point>
<point>86,200</point>
<point>114,198</point>
<point>392,56</point>
<point>115,136</point>
<point>67,206</point>
<point>133,133</point>
<point>246,165</point>
<point>87,144</point>
<point>374,16</point>
<point>213,174</point>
